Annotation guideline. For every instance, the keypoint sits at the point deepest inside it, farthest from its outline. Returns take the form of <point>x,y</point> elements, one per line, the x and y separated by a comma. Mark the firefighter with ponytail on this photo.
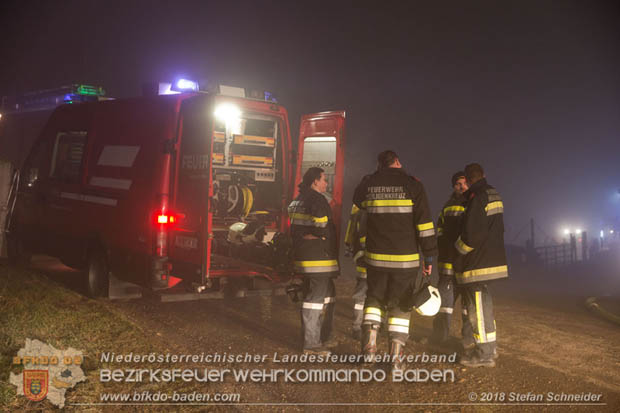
<point>315,258</point>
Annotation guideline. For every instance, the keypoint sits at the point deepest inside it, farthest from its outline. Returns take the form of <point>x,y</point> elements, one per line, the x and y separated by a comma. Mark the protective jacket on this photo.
<point>449,226</point>
<point>482,256</point>
<point>399,222</point>
<point>310,214</point>
<point>355,238</point>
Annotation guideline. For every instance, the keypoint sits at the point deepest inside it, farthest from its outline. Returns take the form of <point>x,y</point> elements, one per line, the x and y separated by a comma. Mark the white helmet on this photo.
<point>428,301</point>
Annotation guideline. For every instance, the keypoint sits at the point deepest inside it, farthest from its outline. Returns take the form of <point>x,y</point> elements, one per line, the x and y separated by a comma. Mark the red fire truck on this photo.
<point>189,187</point>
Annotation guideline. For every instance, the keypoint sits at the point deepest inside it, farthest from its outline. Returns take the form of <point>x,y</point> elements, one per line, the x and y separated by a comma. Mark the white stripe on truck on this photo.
<point>118,155</point>
<point>89,198</point>
<point>110,182</point>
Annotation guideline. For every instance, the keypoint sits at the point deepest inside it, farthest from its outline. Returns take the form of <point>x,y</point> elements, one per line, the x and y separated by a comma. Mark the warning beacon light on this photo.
<point>185,85</point>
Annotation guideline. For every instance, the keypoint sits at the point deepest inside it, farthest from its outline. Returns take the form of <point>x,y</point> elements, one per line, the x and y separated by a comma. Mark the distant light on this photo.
<point>566,231</point>
<point>602,234</point>
<point>227,112</point>
<point>577,231</point>
<point>611,231</point>
<point>321,139</point>
<point>186,85</point>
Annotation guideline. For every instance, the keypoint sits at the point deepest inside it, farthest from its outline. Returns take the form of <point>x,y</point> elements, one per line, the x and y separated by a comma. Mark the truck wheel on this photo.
<point>16,252</point>
<point>97,275</point>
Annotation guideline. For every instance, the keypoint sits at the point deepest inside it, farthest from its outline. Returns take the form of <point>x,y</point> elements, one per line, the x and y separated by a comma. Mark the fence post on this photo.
<point>6,173</point>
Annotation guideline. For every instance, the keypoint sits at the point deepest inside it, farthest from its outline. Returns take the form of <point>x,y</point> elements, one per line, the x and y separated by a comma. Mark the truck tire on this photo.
<point>16,252</point>
<point>97,274</point>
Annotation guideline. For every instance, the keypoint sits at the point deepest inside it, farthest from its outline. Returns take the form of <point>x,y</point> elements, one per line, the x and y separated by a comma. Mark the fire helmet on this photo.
<point>427,301</point>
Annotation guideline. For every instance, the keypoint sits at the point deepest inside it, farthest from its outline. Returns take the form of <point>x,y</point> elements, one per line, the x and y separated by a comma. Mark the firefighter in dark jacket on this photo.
<point>448,230</point>
<point>482,258</point>
<point>355,242</point>
<point>399,227</point>
<point>316,258</point>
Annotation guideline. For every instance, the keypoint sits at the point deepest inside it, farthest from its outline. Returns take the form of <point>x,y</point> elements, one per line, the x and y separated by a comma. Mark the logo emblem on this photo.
<point>36,384</point>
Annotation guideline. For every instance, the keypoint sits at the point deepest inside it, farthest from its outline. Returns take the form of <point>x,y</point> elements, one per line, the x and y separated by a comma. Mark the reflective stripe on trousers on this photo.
<point>399,325</point>
<point>479,305</point>
<point>373,315</point>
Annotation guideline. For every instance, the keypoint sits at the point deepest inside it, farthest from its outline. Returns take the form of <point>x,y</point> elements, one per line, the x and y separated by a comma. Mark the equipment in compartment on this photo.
<point>242,233</point>
<point>251,145</point>
<point>232,195</point>
<point>247,197</point>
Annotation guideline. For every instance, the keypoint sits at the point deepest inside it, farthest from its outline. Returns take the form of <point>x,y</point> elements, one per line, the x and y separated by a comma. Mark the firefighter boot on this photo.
<point>441,330</point>
<point>397,355</point>
<point>477,358</point>
<point>369,340</point>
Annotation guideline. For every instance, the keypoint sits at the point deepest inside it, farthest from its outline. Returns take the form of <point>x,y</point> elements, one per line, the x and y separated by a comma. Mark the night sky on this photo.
<point>529,89</point>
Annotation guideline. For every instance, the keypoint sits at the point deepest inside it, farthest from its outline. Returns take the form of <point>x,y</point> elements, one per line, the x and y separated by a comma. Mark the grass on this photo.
<point>32,306</point>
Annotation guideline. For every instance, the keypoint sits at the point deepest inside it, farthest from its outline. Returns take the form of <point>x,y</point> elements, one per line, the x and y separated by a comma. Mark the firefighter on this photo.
<point>399,225</point>
<point>448,230</point>
<point>315,258</point>
<point>355,242</point>
<point>481,258</point>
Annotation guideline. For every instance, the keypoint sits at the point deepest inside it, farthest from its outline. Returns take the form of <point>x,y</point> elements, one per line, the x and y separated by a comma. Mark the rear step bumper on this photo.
<point>174,295</point>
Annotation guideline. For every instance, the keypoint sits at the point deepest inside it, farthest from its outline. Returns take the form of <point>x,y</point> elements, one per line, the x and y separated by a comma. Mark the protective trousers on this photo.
<point>317,310</point>
<point>479,304</point>
<point>359,297</point>
<point>389,294</point>
<point>450,292</point>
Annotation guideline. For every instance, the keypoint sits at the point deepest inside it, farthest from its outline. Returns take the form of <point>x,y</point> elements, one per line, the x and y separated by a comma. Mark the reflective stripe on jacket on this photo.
<point>448,229</point>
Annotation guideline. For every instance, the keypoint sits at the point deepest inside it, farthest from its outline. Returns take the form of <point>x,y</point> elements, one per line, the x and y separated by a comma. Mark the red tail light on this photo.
<point>167,218</point>
<point>164,219</point>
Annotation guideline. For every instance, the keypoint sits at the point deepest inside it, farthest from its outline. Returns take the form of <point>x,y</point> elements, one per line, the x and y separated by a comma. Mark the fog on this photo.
<point>528,89</point>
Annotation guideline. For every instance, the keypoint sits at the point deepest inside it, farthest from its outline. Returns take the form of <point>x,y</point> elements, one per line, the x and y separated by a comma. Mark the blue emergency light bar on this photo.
<point>185,85</point>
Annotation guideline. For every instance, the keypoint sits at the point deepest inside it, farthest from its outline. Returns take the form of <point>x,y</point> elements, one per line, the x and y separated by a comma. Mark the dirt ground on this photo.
<point>548,341</point>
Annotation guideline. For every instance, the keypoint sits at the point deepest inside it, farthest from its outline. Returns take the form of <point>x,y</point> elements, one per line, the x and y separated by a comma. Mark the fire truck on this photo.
<point>191,187</point>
